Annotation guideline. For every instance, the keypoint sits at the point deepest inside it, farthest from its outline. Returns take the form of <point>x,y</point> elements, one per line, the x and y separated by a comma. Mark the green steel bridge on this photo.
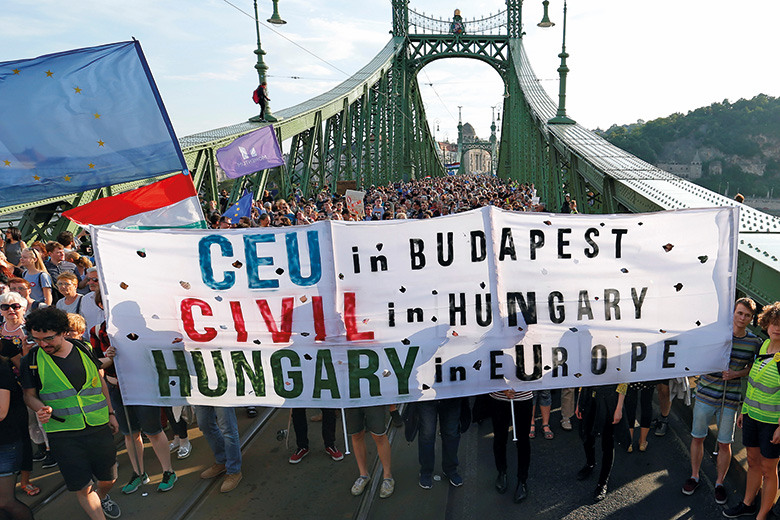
<point>372,129</point>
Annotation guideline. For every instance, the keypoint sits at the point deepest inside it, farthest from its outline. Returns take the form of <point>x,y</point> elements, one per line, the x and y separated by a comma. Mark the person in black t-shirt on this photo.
<point>62,384</point>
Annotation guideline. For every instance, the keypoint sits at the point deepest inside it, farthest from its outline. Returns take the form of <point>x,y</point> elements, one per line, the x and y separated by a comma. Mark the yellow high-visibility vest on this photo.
<point>79,408</point>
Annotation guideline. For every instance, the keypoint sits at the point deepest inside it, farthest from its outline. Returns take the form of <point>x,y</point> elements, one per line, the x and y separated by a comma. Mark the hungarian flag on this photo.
<point>169,203</point>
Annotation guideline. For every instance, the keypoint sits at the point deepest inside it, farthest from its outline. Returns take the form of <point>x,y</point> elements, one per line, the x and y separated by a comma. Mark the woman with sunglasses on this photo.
<point>14,345</point>
<point>37,275</point>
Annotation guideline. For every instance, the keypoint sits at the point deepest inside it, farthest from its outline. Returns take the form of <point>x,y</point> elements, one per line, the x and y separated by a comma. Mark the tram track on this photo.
<point>202,490</point>
<point>50,500</point>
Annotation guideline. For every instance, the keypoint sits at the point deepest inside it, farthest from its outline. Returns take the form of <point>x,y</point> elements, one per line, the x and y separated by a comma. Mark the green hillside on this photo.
<point>738,144</point>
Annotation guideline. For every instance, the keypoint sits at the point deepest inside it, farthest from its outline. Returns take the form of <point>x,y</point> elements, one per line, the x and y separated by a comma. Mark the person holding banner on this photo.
<point>448,413</point>
<point>720,395</point>
<point>220,427</point>
<point>512,408</point>
<point>373,419</point>
<point>600,410</point>
<point>760,422</point>
<point>302,434</point>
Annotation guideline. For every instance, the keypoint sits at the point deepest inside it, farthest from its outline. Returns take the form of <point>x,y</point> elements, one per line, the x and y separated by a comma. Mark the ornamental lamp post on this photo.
<point>545,18</point>
<point>560,116</point>
<point>275,18</point>
<point>260,66</point>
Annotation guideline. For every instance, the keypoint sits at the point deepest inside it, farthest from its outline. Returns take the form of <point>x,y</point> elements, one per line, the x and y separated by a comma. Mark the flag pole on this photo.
<point>344,426</point>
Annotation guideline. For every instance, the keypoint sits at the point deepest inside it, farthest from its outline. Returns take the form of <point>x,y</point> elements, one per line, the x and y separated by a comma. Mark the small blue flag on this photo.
<point>242,208</point>
<point>79,120</point>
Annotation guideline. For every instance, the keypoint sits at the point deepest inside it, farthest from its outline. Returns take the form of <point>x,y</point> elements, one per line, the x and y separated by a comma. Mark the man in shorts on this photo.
<point>81,423</point>
<point>375,420</point>
<point>720,395</point>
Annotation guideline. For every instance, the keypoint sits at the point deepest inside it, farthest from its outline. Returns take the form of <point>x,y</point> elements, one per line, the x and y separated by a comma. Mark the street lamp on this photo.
<point>260,66</point>
<point>560,116</point>
<point>545,18</point>
<point>275,18</point>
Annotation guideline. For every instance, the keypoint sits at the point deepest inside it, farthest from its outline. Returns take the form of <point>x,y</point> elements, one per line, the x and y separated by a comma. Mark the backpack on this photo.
<point>256,96</point>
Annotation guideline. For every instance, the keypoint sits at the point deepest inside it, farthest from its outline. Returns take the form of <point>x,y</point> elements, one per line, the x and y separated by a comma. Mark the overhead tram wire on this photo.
<point>251,17</point>
<point>286,38</point>
<point>430,84</point>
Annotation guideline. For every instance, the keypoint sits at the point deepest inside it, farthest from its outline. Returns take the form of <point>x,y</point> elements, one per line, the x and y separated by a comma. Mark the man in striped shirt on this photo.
<point>720,395</point>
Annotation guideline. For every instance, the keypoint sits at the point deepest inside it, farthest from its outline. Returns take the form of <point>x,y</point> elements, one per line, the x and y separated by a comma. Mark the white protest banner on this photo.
<point>355,202</point>
<point>342,314</point>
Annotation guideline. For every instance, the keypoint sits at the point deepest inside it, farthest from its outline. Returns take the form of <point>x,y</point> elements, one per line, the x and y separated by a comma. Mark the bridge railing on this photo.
<point>637,186</point>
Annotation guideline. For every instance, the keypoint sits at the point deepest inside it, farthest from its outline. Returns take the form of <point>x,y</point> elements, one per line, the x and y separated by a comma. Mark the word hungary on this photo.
<point>338,314</point>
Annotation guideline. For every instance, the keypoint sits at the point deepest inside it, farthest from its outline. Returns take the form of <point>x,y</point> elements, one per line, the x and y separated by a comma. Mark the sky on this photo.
<point>629,60</point>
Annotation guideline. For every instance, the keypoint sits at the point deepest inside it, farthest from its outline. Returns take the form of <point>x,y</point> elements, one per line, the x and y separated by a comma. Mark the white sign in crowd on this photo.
<point>343,314</point>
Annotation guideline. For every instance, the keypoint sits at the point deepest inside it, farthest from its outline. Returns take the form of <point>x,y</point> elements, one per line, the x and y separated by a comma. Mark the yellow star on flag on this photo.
<point>67,178</point>
<point>100,143</point>
<point>91,165</point>
<point>36,177</point>
<point>78,90</point>
<point>49,74</point>
<point>16,71</point>
<point>97,116</point>
<point>7,162</point>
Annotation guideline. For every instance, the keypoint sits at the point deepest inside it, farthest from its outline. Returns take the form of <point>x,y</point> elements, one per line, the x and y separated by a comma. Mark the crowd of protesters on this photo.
<point>57,409</point>
<point>427,198</point>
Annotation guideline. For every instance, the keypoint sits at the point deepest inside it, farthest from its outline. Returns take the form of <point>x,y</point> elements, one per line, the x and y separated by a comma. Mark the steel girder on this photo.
<point>372,129</point>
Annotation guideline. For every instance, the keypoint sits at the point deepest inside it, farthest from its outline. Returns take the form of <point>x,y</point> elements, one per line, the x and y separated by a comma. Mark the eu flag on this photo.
<point>80,120</point>
<point>242,208</point>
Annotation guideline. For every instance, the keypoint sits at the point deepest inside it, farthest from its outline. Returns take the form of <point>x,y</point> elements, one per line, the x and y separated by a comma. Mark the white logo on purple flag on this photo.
<point>250,153</point>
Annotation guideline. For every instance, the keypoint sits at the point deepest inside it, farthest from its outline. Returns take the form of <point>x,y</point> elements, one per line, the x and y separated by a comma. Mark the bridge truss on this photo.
<point>372,129</point>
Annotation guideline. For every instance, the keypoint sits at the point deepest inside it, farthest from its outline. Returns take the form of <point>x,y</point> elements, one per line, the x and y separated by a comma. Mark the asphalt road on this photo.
<point>643,485</point>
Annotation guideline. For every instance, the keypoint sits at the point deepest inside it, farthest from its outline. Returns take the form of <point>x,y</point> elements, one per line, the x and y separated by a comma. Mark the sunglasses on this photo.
<point>6,306</point>
<point>92,279</point>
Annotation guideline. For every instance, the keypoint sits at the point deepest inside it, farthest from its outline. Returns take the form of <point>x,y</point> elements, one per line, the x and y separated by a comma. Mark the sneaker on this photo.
<point>360,485</point>
<point>334,453</point>
<point>40,455</point>
<point>600,493</point>
<point>455,479</point>
<point>135,482</point>
<point>300,453</point>
<point>168,480</point>
<point>690,486</point>
<point>426,481</point>
<point>397,420</point>
<point>721,497</point>
<point>661,427</point>
<point>230,482</point>
<point>566,425</point>
<point>740,510</point>
<point>174,445</point>
<point>110,508</point>
<point>214,471</point>
<point>387,488</point>
<point>48,461</point>
<point>184,451</point>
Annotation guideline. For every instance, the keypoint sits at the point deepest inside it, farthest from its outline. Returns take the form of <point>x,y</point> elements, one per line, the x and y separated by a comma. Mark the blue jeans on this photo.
<point>220,427</point>
<point>448,412</point>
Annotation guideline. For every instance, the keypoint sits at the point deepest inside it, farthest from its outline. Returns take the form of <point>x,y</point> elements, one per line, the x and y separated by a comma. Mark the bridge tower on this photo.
<point>424,39</point>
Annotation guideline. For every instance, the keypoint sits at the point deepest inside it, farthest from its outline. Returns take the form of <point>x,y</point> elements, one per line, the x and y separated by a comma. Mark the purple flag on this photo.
<point>250,153</point>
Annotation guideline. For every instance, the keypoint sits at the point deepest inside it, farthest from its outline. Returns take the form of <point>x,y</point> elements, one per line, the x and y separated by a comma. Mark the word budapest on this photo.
<point>341,314</point>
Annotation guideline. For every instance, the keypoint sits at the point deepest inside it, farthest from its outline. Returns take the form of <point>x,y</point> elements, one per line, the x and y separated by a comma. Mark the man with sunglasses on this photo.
<point>63,385</point>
